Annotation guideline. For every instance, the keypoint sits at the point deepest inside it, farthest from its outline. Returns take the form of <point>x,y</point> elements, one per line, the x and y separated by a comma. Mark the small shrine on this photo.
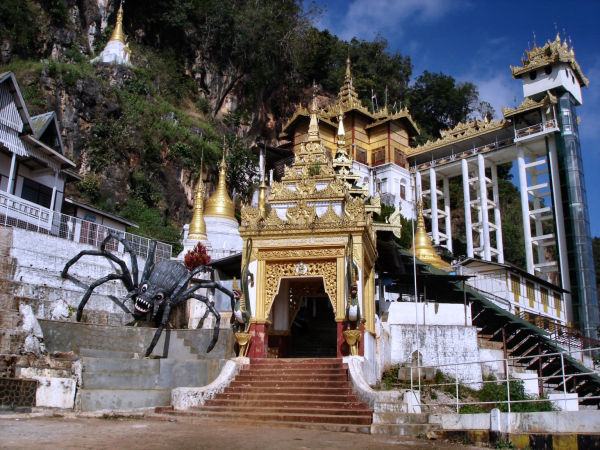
<point>116,50</point>
<point>309,256</point>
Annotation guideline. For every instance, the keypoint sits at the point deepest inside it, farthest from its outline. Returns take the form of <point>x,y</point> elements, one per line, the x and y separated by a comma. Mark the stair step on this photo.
<point>267,371</point>
<point>286,404</point>
<point>395,418</point>
<point>292,378</point>
<point>122,399</point>
<point>100,353</point>
<point>348,428</point>
<point>284,409</point>
<point>310,391</point>
<point>283,396</point>
<point>290,384</point>
<point>120,380</point>
<point>364,419</point>
<point>112,365</point>
<point>404,429</point>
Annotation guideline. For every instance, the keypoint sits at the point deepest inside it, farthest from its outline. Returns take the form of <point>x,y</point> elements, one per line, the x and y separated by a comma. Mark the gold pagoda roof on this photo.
<point>347,100</point>
<point>311,180</point>
<point>220,204</point>
<point>528,105</point>
<point>422,247</point>
<point>461,132</point>
<point>552,52</point>
<point>117,34</point>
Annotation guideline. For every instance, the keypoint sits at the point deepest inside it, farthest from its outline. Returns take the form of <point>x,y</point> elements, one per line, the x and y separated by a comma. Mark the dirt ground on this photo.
<point>124,433</point>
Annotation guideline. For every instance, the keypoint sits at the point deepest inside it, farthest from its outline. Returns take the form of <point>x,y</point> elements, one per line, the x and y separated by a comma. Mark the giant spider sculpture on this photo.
<point>163,285</point>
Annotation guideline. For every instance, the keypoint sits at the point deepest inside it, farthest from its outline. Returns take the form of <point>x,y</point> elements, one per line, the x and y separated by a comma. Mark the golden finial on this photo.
<point>117,34</point>
<point>348,74</point>
<point>220,204</point>
<point>197,229</point>
<point>422,247</point>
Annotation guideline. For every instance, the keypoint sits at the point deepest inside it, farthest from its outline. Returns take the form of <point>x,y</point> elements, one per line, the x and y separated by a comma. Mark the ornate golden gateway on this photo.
<point>275,271</point>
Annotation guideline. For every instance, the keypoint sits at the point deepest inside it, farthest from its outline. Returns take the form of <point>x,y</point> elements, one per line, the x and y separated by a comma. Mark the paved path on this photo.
<point>121,433</point>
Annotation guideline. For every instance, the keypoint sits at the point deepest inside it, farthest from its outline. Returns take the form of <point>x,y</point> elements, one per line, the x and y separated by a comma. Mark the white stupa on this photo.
<point>116,50</point>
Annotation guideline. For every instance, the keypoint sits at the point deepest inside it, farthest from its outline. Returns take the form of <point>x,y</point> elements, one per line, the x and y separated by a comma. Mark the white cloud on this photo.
<point>365,19</point>
<point>499,90</point>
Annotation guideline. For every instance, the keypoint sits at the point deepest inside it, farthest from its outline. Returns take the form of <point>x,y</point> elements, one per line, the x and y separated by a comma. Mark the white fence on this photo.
<point>16,212</point>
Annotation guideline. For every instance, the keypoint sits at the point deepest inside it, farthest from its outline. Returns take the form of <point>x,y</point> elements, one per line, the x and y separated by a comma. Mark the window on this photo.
<point>36,193</point>
<point>531,294</point>
<point>399,157</point>
<point>557,303</point>
<point>379,156</point>
<point>403,192</point>
<point>515,287</point>
<point>532,75</point>
<point>361,155</point>
<point>544,296</point>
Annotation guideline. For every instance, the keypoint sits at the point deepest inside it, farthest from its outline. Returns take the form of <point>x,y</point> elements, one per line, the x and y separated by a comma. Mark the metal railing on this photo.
<point>549,125</point>
<point>560,377</point>
<point>19,213</point>
<point>496,145</point>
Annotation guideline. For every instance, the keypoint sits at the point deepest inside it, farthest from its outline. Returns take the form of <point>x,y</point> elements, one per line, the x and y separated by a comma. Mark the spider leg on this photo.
<point>128,249</point>
<point>210,285</point>
<point>94,285</point>
<point>126,277</point>
<point>183,283</point>
<point>149,260</point>
<point>213,310</point>
<point>163,321</point>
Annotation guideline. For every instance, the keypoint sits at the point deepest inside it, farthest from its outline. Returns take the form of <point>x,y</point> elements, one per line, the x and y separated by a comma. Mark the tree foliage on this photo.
<point>438,102</point>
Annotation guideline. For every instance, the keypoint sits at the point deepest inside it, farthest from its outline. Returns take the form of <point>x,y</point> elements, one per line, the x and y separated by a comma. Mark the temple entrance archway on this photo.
<point>302,320</point>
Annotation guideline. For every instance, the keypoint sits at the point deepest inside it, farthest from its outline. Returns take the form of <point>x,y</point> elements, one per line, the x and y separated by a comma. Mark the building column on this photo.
<point>435,232</point>
<point>448,222</point>
<point>54,188</point>
<point>483,198</point>
<point>418,193</point>
<point>467,200</point>
<point>11,174</point>
<point>497,216</point>
<point>525,210</point>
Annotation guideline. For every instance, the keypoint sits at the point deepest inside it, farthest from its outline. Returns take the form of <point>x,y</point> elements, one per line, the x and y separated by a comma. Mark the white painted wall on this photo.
<point>447,346</point>
<point>429,314</point>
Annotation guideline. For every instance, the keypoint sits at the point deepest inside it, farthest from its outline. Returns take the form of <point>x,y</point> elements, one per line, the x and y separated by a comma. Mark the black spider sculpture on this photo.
<point>163,285</point>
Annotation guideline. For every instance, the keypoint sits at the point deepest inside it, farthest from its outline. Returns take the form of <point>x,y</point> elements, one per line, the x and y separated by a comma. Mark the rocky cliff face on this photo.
<point>122,124</point>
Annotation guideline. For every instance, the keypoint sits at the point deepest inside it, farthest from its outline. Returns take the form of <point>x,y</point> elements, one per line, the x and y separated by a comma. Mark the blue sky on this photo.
<point>477,41</point>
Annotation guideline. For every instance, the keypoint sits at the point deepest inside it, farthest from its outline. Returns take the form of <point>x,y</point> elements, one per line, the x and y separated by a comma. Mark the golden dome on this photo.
<point>197,225</point>
<point>117,34</point>
<point>422,247</point>
<point>220,204</point>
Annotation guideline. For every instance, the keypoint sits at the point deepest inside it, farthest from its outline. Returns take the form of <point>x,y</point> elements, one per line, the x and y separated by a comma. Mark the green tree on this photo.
<point>242,175</point>
<point>437,102</point>
<point>17,25</point>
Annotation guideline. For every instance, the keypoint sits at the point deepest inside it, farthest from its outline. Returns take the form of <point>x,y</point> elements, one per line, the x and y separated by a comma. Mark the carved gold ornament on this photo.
<point>275,271</point>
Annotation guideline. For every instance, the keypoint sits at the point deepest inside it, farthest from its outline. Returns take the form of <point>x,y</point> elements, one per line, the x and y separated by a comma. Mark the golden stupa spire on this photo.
<point>117,34</point>
<point>347,93</point>
<point>422,247</point>
<point>313,127</point>
<point>220,204</point>
<point>197,225</point>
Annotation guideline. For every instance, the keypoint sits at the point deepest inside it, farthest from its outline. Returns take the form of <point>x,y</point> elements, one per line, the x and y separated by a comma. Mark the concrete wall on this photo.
<point>439,345</point>
<point>538,422</point>
<point>429,314</point>
<point>73,337</point>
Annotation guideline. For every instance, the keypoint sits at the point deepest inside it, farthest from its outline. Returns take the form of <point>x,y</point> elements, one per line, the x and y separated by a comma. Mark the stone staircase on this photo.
<point>303,393</point>
<point>391,419</point>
